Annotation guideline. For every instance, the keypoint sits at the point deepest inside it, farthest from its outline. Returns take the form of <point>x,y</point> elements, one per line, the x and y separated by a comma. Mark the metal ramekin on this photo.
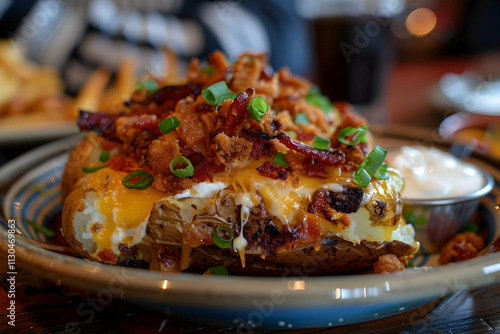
<point>437,220</point>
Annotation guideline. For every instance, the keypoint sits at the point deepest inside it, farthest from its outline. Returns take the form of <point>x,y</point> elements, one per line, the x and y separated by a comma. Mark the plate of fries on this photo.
<point>34,106</point>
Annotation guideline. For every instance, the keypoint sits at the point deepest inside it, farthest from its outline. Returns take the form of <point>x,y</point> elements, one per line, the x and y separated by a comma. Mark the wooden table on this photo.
<point>45,308</point>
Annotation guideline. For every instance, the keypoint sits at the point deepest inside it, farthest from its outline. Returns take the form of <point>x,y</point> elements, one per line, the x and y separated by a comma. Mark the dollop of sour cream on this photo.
<point>430,173</point>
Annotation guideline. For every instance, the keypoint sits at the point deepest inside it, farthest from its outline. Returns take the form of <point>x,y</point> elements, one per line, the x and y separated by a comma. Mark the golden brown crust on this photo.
<point>78,158</point>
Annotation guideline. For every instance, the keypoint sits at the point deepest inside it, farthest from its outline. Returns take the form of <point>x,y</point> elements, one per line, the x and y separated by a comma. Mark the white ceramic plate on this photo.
<point>270,302</point>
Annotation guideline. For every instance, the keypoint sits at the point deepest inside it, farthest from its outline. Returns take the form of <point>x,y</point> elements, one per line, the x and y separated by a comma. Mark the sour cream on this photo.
<point>433,174</point>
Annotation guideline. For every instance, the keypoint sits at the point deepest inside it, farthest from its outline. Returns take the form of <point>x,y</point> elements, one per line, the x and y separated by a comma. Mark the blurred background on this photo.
<point>400,63</point>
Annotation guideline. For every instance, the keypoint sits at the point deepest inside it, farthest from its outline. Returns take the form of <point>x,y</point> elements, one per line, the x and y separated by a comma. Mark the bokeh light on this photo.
<point>420,22</point>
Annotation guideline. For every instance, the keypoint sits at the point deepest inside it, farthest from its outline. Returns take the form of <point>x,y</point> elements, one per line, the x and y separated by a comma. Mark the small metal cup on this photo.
<point>437,220</point>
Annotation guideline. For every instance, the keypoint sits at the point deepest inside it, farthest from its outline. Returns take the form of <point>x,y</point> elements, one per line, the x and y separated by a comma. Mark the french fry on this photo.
<point>121,89</point>
<point>90,95</point>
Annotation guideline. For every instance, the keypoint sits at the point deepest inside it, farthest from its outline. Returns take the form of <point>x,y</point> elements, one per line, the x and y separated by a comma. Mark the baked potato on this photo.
<point>188,180</point>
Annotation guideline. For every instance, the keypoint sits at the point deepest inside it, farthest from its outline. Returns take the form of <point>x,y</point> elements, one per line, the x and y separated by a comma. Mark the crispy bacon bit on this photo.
<point>461,247</point>
<point>349,116</point>
<point>309,230</point>
<point>123,163</point>
<point>171,261</point>
<point>273,171</point>
<point>259,147</point>
<point>388,264</point>
<point>295,161</point>
<point>148,123</point>
<point>107,255</point>
<point>247,71</point>
<point>191,131</point>
<point>102,123</point>
<point>204,108</point>
<point>127,252</point>
<point>195,235</point>
<point>233,150</point>
<point>270,124</point>
<point>267,73</point>
<point>238,111</point>
<point>193,156</point>
<point>302,136</point>
<point>331,204</point>
<point>333,158</point>
<point>168,96</point>
<point>314,169</point>
<point>161,152</point>
<point>205,170</point>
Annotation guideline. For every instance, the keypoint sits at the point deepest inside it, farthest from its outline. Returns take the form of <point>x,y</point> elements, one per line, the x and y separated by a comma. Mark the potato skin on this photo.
<point>335,255</point>
<point>73,203</point>
<point>78,158</point>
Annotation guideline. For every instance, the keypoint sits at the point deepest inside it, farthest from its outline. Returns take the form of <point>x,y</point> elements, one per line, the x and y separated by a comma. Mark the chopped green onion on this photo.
<point>93,169</point>
<point>374,160</point>
<point>169,124</point>
<point>279,159</point>
<point>409,216</point>
<point>315,98</point>
<point>258,107</point>
<point>104,156</point>
<point>471,227</point>
<point>321,143</point>
<point>361,177</point>
<point>223,236</point>
<point>359,135</point>
<point>292,133</point>
<point>410,265</point>
<point>373,165</point>
<point>218,270</point>
<point>216,94</point>
<point>42,229</point>
<point>301,119</point>
<point>145,180</point>
<point>209,70</point>
<point>150,85</point>
<point>382,173</point>
<point>187,171</point>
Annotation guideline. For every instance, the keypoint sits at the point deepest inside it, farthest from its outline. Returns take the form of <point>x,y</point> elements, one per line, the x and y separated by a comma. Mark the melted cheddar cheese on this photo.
<point>120,214</point>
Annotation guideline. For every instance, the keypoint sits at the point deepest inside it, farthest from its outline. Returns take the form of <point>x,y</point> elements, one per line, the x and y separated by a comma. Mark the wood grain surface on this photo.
<point>42,307</point>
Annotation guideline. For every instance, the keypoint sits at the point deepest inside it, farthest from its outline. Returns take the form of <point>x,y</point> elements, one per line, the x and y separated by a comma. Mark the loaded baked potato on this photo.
<point>240,167</point>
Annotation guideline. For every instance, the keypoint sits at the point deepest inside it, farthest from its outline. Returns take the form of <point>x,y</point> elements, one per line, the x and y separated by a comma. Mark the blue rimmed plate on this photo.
<point>272,302</point>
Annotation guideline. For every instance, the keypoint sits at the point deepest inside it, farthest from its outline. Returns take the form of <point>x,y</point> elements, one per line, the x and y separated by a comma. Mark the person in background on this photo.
<point>78,36</point>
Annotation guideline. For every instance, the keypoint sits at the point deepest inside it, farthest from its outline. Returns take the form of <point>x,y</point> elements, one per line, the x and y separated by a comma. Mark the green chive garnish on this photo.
<point>150,85</point>
<point>258,107</point>
<point>104,156</point>
<point>216,93</point>
<point>42,229</point>
<point>359,135</point>
<point>223,236</point>
<point>169,124</point>
<point>145,180</point>
<point>187,171</point>
<point>301,119</point>
<point>218,270</point>
<point>315,98</point>
<point>279,159</point>
<point>92,169</point>
<point>373,165</point>
<point>321,143</point>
